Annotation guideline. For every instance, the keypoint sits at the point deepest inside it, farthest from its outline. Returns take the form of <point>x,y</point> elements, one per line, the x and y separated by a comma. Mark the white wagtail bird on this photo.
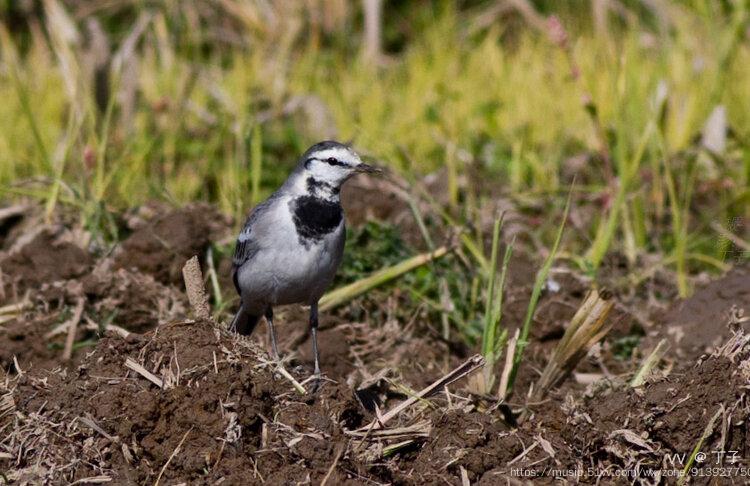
<point>292,243</point>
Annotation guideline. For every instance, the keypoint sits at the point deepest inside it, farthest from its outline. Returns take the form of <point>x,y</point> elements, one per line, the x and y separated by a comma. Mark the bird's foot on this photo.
<point>316,382</point>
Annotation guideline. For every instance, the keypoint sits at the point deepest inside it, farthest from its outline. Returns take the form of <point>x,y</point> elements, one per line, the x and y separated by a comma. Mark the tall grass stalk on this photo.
<point>679,210</point>
<point>606,230</point>
<point>488,344</point>
<point>470,243</point>
<point>498,314</point>
<point>10,55</point>
<point>541,279</point>
<point>491,342</point>
<point>705,435</point>
<point>489,304</point>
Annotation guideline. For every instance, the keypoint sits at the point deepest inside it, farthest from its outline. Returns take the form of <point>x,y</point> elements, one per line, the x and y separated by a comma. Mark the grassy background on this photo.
<point>109,104</point>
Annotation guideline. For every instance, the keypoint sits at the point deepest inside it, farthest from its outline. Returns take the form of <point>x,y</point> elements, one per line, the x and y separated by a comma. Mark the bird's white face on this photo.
<point>333,166</point>
<point>324,168</point>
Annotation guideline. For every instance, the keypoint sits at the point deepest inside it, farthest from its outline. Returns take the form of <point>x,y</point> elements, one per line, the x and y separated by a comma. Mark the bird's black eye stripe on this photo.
<point>330,161</point>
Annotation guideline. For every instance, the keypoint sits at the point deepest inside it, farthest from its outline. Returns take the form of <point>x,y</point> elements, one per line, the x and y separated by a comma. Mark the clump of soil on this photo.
<point>163,240</point>
<point>697,325</point>
<point>42,257</point>
<point>656,426</point>
<point>26,342</point>
<point>207,406</point>
<point>47,269</point>
<point>113,299</point>
<point>226,411</point>
<point>131,300</point>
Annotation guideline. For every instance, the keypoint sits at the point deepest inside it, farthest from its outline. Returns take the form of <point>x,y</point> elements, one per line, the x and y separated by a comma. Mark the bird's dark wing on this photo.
<point>245,248</point>
<point>248,241</point>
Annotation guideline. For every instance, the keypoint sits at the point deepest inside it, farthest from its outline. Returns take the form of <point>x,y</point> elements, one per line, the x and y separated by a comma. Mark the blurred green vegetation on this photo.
<point>109,104</point>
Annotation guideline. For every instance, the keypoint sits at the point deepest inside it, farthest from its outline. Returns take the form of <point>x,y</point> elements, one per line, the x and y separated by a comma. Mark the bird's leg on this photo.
<point>314,333</point>
<point>272,332</point>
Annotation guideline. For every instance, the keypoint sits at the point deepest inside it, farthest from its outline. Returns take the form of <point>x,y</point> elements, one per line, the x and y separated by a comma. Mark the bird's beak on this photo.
<point>369,169</point>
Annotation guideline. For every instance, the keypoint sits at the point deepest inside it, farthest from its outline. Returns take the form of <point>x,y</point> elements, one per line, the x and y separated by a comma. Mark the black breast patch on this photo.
<point>314,217</point>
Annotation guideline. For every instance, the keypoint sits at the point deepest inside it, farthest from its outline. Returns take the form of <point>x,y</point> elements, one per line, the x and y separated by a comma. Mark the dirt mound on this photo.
<point>131,300</point>
<point>218,412</point>
<point>696,325</point>
<point>162,241</point>
<point>120,300</point>
<point>213,410</point>
<point>44,256</point>
<point>48,269</point>
<point>27,343</point>
<point>199,405</point>
<point>654,428</point>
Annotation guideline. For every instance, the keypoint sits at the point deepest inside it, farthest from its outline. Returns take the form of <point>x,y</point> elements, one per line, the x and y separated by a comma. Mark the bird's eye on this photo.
<point>332,160</point>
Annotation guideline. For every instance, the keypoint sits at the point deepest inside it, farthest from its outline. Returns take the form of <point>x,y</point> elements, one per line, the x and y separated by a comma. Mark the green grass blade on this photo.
<point>706,434</point>
<point>606,231</point>
<point>344,294</point>
<point>541,278</point>
<point>487,344</point>
<point>498,311</point>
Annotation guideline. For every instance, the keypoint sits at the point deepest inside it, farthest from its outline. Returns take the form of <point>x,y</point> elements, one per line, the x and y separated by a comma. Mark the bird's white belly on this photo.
<point>289,272</point>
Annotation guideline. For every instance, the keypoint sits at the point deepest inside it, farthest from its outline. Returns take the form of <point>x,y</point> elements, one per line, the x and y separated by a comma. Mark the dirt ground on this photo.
<point>151,396</point>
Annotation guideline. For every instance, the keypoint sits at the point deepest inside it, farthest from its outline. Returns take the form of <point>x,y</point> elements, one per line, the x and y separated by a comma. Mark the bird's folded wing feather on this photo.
<point>250,238</point>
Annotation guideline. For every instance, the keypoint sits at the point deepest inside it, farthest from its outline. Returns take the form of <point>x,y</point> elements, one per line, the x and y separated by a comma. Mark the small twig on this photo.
<point>387,451</point>
<point>196,292</point>
<point>92,480</point>
<point>93,425</point>
<point>133,365</point>
<point>296,384</point>
<point>649,363</point>
<point>16,308</point>
<point>468,367</point>
<point>420,429</point>
<point>17,366</point>
<point>524,453</point>
<point>7,404</point>
<point>510,353</point>
<point>72,328</point>
<point>370,429</point>
<point>174,453</point>
<point>339,450</point>
<point>120,331</point>
<point>464,476</point>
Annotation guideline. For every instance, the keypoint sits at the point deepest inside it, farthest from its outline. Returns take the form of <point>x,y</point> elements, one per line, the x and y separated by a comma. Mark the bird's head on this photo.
<point>327,165</point>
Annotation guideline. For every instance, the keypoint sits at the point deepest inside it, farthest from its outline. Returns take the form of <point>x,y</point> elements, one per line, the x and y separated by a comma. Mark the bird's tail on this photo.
<point>243,323</point>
